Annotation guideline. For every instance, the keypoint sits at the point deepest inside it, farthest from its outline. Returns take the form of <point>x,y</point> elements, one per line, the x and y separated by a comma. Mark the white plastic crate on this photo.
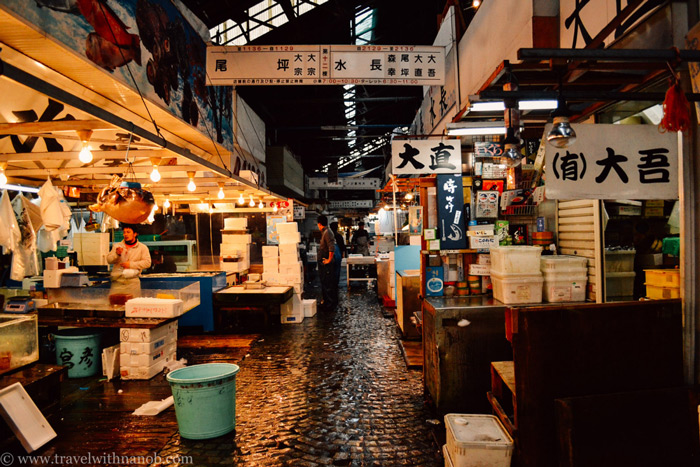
<point>563,264</point>
<point>517,288</point>
<point>565,287</point>
<point>619,260</point>
<point>619,284</point>
<point>521,259</point>
<point>446,455</point>
<point>476,440</point>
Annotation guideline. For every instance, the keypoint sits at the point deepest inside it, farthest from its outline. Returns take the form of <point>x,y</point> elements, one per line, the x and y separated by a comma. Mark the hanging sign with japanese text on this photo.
<point>429,156</point>
<point>614,162</point>
<point>326,64</point>
<point>451,222</point>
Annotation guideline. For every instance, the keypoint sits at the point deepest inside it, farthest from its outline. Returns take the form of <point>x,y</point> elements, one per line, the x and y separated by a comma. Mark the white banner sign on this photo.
<point>326,64</point>
<point>322,183</point>
<point>614,162</point>
<point>428,156</point>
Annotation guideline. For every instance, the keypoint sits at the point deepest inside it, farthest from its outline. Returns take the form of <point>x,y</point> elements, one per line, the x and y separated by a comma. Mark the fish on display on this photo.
<point>108,55</point>
<point>128,204</point>
<point>66,6</point>
<point>110,28</point>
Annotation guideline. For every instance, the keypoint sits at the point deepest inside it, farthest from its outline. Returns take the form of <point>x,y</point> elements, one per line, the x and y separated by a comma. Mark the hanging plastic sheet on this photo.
<point>10,235</point>
<point>24,258</point>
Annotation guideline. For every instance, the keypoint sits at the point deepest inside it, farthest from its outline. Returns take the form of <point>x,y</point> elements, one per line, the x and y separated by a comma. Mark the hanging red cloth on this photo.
<point>676,109</point>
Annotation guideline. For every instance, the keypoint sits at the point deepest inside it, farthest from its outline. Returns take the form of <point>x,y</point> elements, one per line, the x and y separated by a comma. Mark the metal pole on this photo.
<point>630,55</point>
<point>396,226</point>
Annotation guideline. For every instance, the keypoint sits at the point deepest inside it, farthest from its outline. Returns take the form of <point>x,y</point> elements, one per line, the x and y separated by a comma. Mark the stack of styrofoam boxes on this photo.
<point>144,352</point>
<point>235,245</point>
<point>565,278</point>
<point>476,440</point>
<point>271,265</point>
<point>516,275</point>
<point>291,269</point>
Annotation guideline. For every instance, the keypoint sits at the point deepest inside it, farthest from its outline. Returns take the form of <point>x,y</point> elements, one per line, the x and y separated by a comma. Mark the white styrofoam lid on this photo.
<point>477,429</point>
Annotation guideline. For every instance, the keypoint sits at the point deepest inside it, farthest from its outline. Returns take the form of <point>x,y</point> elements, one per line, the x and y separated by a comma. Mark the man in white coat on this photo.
<point>129,258</point>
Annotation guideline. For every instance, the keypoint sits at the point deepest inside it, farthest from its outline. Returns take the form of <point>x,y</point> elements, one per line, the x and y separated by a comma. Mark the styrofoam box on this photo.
<point>236,238</point>
<point>291,278</point>
<point>563,264</point>
<point>145,359</point>
<point>309,307</point>
<point>565,287</point>
<point>476,440</point>
<point>236,223</point>
<point>240,249</point>
<point>271,278</point>
<point>521,259</point>
<point>290,238</point>
<point>298,287</point>
<point>288,249</point>
<point>238,266</point>
<point>292,268</point>
<point>619,284</point>
<point>138,348</point>
<point>145,372</point>
<point>284,228</point>
<point>290,259</point>
<point>619,260</point>
<point>269,251</point>
<point>147,335</point>
<point>517,288</point>
<point>147,307</point>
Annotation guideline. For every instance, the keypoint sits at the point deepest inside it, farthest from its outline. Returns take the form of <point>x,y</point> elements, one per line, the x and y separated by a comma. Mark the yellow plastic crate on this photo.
<point>663,277</point>
<point>659,293</point>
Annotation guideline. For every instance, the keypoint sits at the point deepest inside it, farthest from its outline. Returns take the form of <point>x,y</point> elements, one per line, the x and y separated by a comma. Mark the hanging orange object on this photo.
<point>676,110</point>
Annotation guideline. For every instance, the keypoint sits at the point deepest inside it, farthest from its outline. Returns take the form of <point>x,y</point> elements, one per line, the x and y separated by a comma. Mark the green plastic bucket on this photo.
<point>205,399</point>
<point>79,350</point>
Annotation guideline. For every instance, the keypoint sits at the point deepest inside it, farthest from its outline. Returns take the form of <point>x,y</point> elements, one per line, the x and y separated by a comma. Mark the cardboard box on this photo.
<point>146,360</point>
<point>138,348</point>
<point>145,372</point>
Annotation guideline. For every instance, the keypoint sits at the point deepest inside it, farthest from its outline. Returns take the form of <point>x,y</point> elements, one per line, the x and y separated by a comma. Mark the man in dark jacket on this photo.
<point>326,268</point>
<point>340,251</point>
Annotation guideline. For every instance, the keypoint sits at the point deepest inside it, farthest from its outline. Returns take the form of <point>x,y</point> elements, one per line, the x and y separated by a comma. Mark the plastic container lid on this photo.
<point>474,429</point>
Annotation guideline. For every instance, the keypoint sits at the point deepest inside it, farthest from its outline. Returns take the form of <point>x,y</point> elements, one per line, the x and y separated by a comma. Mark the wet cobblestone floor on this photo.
<point>333,390</point>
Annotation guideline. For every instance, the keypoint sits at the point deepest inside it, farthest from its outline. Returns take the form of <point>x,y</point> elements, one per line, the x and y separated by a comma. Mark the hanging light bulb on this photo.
<point>155,175</point>
<point>166,204</point>
<point>252,202</point>
<point>211,209</point>
<point>3,177</point>
<point>191,186</point>
<point>221,194</point>
<point>275,208</point>
<point>241,199</point>
<point>261,205</point>
<point>476,3</point>
<point>561,135</point>
<point>408,197</point>
<point>85,155</point>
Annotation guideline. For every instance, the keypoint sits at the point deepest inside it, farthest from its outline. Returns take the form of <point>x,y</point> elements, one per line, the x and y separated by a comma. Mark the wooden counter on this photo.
<point>461,337</point>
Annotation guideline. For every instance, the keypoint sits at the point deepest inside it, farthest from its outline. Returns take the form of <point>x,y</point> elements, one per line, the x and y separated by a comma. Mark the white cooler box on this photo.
<point>477,441</point>
<point>147,307</point>
<point>309,307</point>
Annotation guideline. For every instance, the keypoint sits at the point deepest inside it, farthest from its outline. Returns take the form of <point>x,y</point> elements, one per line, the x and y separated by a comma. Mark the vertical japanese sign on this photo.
<point>614,162</point>
<point>414,157</point>
<point>450,199</point>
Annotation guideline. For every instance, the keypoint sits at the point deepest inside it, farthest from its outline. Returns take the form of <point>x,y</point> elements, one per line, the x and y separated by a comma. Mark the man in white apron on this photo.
<point>129,258</point>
